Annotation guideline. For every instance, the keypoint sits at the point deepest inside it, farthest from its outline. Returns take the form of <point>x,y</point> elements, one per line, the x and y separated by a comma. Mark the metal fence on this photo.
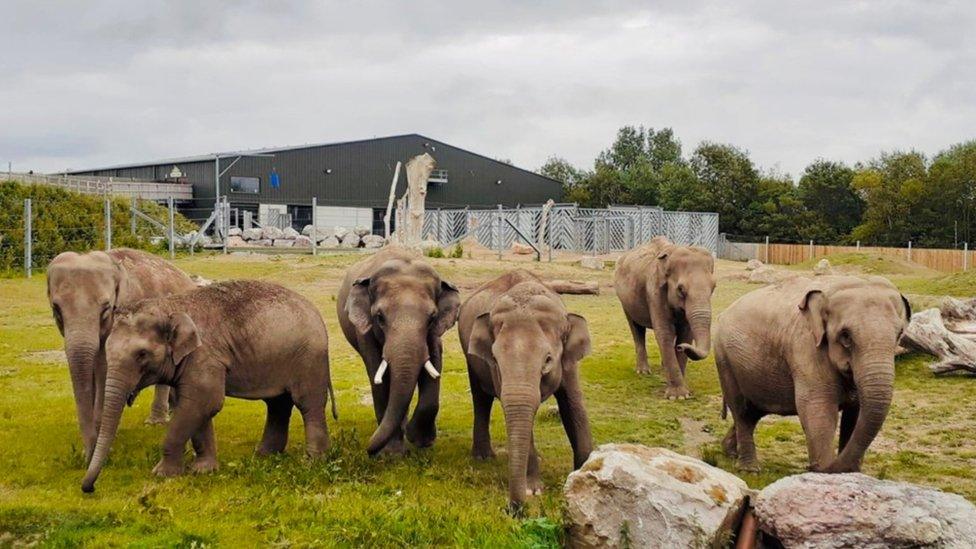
<point>569,227</point>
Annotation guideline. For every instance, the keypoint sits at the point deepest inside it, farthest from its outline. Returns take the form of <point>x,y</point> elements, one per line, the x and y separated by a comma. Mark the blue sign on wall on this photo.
<point>275,180</point>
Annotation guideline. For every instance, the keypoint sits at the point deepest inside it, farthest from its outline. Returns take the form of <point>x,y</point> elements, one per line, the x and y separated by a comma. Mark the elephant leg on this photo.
<point>159,412</point>
<point>187,420</point>
<point>275,436</point>
<point>312,408</point>
<point>639,334</point>
<point>371,353</point>
<point>101,372</point>
<point>205,447</point>
<point>572,412</point>
<point>818,416</point>
<point>729,443</point>
<point>481,444</point>
<point>745,418</point>
<point>848,419</point>
<point>533,478</point>
<point>684,336</point>
<point>422,429</point>
<point>666,341</point>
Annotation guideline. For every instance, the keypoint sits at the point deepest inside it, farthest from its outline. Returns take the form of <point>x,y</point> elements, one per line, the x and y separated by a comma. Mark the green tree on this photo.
<point>729,182</point>
<point>893,189</point>
<point>952,182</point>
<point>561,170</point>
<point>663,148</point>
<point>826,189</point>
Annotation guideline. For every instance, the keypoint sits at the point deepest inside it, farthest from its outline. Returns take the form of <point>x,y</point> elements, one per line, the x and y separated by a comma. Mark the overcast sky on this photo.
<point>103,82</point>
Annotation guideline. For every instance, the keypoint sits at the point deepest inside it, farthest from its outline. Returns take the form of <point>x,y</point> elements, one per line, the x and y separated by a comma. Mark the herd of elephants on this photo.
<point>822,349</point>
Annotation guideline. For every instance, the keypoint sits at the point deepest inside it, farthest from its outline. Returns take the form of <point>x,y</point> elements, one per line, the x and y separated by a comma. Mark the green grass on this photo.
<point>869,263</point>
<point>438,496</point>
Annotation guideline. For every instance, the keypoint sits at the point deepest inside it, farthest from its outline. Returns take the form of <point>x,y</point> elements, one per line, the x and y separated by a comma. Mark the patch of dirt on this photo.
<point>684,473</point>
<point>46,357</point>
<point>695,436</point>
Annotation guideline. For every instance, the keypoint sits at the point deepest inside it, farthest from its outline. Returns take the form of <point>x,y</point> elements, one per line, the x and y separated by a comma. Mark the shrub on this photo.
<point>434,252</point>
<point>457,252</point>
<point>63,220</point>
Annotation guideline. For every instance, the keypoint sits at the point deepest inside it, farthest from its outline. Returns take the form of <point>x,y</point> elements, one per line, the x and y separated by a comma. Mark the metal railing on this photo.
<point>108,186</point>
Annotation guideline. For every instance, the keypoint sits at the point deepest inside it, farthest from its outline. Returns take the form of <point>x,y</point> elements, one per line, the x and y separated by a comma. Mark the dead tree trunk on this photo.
<point>573,287</point>
<point>418,172</point>
<point>927,333</point>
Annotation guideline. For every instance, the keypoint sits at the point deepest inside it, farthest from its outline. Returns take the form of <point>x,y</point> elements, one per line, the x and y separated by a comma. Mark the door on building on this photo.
<point>300,216</point>
<point>378,226</point>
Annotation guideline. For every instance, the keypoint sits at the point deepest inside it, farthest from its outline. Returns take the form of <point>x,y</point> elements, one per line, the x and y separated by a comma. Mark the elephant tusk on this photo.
<point>378,378</point>
<point>431,370</point>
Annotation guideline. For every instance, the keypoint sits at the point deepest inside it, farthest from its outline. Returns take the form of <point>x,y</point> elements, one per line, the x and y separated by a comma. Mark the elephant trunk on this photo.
<point>406,358</point>
<point>116,392</point>
<point>81,347</point>
<point>874,378</point>
<point>520,403</point>
<point>700,320</point>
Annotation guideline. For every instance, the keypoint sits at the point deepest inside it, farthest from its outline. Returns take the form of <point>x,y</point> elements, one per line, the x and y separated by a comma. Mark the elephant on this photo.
<point>84,291</point>
<point>393,309</point>
<point>244,339</point>
<point>523,347</point>
<point>668,288</point>
<point>811,347</point>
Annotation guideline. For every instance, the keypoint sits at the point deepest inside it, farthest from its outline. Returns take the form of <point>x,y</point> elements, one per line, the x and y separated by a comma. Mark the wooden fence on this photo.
<point>948,261</point>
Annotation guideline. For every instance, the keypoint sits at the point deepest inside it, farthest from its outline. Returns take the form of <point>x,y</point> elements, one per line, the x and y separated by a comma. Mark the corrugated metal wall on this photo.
<point>359,174</point>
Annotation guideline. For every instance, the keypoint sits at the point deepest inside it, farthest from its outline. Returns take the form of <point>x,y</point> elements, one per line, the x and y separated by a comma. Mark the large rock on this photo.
<point>340,232</point>
<point>521,249</point>
<point>767,275</point>
<point>855,510</point>
<point>429,244</point>
<point>330,242</point>
<point>373,241</point>
<point>632,495</point>
<point>283,243</point>
<point>753,264</point>
<point>252,234</point>
<point>361,231</point>
<point>271,233</point>
<point>822,267</point>
<point>290,234</point>
<point>261,242</point>
<point>302,241</point>
<point>235,242</point>
<point>307,230</point>
<point>590,262</point>
<point>349,241</point>
<point>234,231</point>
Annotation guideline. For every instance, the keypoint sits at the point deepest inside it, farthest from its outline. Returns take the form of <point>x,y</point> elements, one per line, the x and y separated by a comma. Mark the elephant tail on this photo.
<point>725,407</point>
<point>335,414</point>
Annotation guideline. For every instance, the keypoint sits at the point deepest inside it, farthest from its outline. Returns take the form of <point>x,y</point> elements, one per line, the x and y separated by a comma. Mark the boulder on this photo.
<point>252,234</point>
<point>521,249</point>
<point>753,264</point>
<point>822,267</point>
<point>283,243</point>
<point>766,275</point>
<point>429,244</point>
<point>636,496</point>
<point>271,233</point>
<point>361,231</point>
<point>307,230</point>
<point>590,262</point>
<point>234,231</point>
<point>290,234</point>
<point>261,242</point>
<point>855,510</point>
<point>235,242</point>
<point>330,242</point>
<point>349,241</point>
<point>320,234</point>
<point>373,241</point>
<point>302,241</point>
<point>340,232</point>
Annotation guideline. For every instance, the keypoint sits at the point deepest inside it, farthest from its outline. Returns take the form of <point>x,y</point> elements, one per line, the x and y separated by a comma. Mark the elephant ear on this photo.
<point>576,342</point>
<point>448,305</point>
<point>908,308</point>
<point>481,340</point>
<point>183,336</point>
<point>813,307</point>
<point>358,306</point>
<point>121,283</point>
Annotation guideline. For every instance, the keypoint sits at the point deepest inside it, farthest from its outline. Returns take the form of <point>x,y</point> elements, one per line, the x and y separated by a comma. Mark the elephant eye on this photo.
<point>844,337</point>
<point>142,355</point>
<point>681,290</point>
<point>549,358</point>
<point>380,318</point>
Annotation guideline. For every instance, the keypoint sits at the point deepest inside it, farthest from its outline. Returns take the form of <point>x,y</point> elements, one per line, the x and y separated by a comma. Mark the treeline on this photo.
<point>899,196</point>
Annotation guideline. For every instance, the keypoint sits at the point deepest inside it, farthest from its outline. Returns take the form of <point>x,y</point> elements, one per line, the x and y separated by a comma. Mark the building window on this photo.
<point>250,185</point>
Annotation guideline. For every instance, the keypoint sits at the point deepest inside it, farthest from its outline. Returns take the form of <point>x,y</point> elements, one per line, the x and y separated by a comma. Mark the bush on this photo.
<point>457,252</point>
<point>434,252</point>
<point>63,220</point>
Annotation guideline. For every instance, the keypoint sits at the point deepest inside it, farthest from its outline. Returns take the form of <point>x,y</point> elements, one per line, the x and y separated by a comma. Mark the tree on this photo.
<point>663,148</point>
<point>826,189</point>
<point>729,182</point>
<point>893,188</point>
<point>561,170</point>
<point>680,189</point>
<point>952,179</point>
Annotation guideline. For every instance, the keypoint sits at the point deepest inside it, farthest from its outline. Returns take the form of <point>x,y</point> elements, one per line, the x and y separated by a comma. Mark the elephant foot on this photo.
<point>748,465</point>
<point>395,447</point>
<point>265,451</point>
<point>533,487</point>
<point>483,454</point>
<point>164,469</point>
<point>643,369</point>
<point>677,393</point>
<point>516,509</point>
<point>729,447</point>
<point>203,465</point>
<point>421,438</point>
<point>157,419</point>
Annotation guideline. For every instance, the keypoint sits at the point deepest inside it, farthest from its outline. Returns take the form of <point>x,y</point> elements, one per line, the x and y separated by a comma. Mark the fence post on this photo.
<point>766,250</point>
<point>811,248</point>
<point>225,218</point>
<point>498,231</point>
<point>315,226</point>
<point>965,255</point>
<point>28,237</point>
<point>909,250</point>
<point>132,214</point>
<point>858,245</point>
<point>108,224</point>
<point>549,234</point>
<point>172,228</point>
<point>440,237</point>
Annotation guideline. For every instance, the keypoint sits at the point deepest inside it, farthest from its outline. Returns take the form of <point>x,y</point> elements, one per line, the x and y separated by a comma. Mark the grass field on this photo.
<point>437,496</point>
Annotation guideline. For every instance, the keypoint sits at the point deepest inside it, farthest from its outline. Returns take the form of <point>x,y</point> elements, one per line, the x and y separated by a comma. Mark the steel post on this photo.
<point>28,237</point>
<point>315,226</point>
<point>132,215</point>
<point>172,228</point>
<point>108,224</point>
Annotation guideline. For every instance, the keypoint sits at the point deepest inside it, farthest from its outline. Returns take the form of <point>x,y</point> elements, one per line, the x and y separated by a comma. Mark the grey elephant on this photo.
<point>811,348</point>
<point>245,339</point>
<point>393,309</point>
<point>668,288</point>
<point>84,291</point>
<point>523,347</point>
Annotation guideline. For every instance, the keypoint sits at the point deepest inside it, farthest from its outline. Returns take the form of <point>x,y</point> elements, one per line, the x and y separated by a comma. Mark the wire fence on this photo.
<point>569,227</point>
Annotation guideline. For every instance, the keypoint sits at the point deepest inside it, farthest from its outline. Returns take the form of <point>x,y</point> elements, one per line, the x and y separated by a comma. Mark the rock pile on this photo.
<point>338,237</point>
